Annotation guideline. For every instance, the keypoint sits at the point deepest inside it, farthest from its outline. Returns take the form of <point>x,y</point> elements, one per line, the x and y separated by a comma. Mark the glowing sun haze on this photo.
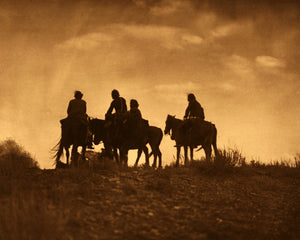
<point>240,59</point>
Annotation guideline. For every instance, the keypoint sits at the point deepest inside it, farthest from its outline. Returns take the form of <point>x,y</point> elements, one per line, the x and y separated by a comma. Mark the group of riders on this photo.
<point>118,111</point>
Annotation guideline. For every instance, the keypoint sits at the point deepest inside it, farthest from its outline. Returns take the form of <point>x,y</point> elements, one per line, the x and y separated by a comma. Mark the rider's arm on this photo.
<point>109,111</point>
<point>187,111</point>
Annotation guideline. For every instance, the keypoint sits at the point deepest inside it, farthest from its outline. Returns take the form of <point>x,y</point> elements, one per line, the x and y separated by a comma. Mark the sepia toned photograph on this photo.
<point>149,119</point>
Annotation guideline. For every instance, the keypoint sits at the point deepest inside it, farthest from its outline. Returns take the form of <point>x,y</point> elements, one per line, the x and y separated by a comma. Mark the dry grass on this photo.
<point>30,216</point>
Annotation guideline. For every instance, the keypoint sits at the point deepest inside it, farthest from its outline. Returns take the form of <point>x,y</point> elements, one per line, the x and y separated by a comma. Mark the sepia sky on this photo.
<point>240,59</point>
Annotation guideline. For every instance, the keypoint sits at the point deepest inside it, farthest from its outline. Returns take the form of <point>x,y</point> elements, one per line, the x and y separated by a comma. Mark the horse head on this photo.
<point>169,124</point>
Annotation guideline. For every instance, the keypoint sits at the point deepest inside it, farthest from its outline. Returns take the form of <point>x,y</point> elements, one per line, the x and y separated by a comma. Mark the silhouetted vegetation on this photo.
<point>13,158</point>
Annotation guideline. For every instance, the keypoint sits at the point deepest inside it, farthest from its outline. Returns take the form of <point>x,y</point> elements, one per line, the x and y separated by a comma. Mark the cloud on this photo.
<point>239,65</point>
<point>140,3</point>
<point>224,30</point>
<point>86,42</point>
<point>168,7</point>
<point>170,38</point>
<point>193,39</point>
<point>268,61</point>
<point>176,92</point>
<point>166,36</point>
<point>176,87</point>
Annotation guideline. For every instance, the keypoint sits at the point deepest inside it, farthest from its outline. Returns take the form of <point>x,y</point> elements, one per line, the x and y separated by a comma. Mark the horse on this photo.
<point>73,133</point>
<point>154,137</point>
<point>115,134</point>
<point>101,132</point>
<point>202,133</point>
<point>102,129</point>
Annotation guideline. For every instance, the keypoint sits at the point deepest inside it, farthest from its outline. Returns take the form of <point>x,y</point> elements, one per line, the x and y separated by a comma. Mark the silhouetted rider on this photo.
<point>118,104</point>
<point>77,108</point>
<point>193,119</point>
<point>77,111</point>
<point>115,120</point>
<point>137,125</point>
<point>134,111</point>
<point>194,109</point>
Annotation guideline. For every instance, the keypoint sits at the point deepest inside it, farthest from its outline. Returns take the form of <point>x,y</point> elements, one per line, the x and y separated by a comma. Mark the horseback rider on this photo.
<point>77,108</point>
<point>194,109</point>
<point>118,104</point>
<point>114,120</point>
<point>193,118</point>
<point>134,110</point>
<point>136,123</point>
<point>77,112</point>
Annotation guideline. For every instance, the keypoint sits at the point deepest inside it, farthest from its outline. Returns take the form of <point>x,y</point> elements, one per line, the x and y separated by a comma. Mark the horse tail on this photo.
<point>58,149</point>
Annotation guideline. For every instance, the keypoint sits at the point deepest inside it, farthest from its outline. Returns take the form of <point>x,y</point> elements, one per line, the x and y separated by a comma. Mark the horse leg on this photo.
<point>126,159</point>
<point>207,150</point>
<point>145,149</point>
<point>192,153</point>
<point>124,156</point>
<point>154,160</point>
<point>159,158</point>
<point>116,155</point>
<point>178,156</point>
<point>83,153</point>
<point>74,156</point>
<point>155,154</point>
<point>214,143</point>
<point>138,157</point>
<point>185,155</point>
<point>67,155</point>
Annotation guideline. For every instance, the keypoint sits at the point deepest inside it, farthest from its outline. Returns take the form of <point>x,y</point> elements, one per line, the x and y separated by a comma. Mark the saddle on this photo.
<point>73,121</point>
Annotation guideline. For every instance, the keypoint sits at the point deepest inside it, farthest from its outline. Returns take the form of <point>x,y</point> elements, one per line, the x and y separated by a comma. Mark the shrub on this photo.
<point>230,158</point>
<point>281,164</point>
<point>257,164</point>
<point>13,158</point>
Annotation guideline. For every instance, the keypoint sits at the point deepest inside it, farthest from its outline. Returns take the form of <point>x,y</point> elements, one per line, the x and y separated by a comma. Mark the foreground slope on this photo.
<point>173,203</point>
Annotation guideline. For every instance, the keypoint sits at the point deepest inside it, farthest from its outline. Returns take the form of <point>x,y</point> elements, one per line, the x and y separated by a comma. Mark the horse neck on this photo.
<point>176,123</point>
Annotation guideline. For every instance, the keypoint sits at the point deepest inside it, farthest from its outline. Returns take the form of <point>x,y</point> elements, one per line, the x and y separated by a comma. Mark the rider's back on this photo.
<point>77,109</point>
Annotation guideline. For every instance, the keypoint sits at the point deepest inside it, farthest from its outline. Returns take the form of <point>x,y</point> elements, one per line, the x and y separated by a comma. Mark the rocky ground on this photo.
<point>108,202</point>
